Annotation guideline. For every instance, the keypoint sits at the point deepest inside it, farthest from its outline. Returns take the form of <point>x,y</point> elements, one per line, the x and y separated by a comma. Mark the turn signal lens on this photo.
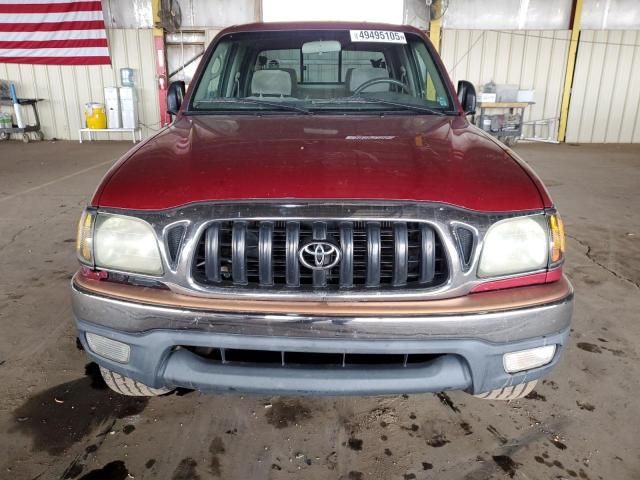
<point>527,359</point>
<point>84,241</point>
<point>108,348</point>
<point>557,238</point>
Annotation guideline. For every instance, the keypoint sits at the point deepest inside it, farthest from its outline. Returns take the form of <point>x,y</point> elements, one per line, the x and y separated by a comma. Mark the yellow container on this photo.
<point>95,115</point>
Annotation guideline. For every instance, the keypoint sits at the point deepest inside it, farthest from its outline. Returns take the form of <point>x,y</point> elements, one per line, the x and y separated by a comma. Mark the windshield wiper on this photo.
<point>253,101</point>
<point>370,100</point>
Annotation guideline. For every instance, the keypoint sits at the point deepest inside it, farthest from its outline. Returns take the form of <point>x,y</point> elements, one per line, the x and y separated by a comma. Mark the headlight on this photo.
<point>127,244</point>
<point>118,242</point>
<point>516,245</point>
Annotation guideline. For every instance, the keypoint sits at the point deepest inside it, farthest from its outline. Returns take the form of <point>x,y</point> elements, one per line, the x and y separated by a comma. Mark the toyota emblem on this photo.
<point>319,255</point>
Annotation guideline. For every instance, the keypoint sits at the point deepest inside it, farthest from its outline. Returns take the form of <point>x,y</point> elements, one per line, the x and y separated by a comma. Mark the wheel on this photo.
<point>4,135</point>
<point>509,393</point>
<point>25,138</point>
<point>127,386</point>
<point>40,135</point>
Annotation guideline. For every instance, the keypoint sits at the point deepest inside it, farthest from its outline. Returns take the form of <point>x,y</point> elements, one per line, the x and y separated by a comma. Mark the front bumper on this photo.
<point>470,345</point>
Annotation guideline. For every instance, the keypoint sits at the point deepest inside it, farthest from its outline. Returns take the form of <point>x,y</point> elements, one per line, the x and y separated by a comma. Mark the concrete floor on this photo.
<point>58,422</point>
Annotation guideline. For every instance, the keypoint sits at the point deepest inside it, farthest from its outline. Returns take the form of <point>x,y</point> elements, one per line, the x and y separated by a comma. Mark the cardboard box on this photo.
<point>486,98</point>
<point>526,96</point>
<point>507,93</point>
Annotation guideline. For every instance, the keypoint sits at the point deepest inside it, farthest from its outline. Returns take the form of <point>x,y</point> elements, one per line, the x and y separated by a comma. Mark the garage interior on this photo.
<point>581,134</point>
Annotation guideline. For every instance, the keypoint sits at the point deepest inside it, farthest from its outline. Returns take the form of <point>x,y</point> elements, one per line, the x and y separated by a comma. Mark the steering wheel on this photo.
<point>376,81</point>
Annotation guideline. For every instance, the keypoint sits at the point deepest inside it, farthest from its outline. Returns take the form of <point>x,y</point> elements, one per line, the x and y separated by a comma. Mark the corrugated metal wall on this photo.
<point>200,14</point>
<point>605,98</point>
<point>604,104</point>
<point>531,59</point>
<point>509,14</point>
<point>210,35</point>
<point>66,89</point>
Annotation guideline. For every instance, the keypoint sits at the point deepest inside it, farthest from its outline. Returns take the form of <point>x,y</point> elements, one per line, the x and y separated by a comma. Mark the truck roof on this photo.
<point>325,25</point>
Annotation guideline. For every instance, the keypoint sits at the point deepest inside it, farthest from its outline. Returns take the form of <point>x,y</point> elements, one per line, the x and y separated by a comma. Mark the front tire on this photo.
<point>128,386</point>
<point>513,392</point>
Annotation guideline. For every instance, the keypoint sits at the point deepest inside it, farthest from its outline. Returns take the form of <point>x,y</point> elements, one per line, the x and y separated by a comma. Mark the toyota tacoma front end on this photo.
<point>321,218</point>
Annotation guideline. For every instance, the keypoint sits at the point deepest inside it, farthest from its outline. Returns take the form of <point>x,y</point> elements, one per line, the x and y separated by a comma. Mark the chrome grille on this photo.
<point>375,254</point>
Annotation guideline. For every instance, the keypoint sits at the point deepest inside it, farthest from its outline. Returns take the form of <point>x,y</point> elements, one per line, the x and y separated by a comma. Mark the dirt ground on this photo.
<point>57,420</point>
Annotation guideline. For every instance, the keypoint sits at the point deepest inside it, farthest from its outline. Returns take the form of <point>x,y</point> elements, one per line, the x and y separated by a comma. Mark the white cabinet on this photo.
<point>112,107</point>
<point>121,106</point>
<point>129,107</point>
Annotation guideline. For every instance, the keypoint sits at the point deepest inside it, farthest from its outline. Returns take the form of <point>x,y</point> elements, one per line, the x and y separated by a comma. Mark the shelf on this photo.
<point>91,131</point>
<point>505,104</point>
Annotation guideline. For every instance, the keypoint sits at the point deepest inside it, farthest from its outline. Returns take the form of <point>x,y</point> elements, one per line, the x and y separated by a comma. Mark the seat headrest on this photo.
<point>291,72</point>
<point>294,80</point>
<point>271,82</point>
<point>357,76</point>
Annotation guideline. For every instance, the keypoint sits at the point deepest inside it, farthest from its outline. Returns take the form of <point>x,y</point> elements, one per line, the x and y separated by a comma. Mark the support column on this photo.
<point>576,17</point>
<point>435,26</point>
<point>258,10</point>
<point>161,63</point>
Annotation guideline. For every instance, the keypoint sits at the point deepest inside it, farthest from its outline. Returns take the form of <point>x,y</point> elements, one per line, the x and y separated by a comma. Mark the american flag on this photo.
<point>53,32</point>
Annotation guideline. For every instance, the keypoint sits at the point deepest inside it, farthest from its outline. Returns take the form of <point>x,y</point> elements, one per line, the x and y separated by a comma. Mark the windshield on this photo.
<point>321,70</point>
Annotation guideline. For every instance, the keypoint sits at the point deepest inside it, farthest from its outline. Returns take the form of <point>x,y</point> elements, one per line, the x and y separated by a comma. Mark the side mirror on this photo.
<point>175,94</point>
<point>467,97</point>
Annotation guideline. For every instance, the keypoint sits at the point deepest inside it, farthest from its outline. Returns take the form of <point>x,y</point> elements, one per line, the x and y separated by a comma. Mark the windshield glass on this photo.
<point>321,70</point>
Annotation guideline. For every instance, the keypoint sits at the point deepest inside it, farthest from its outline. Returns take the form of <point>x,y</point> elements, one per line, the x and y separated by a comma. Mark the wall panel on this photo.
<point>532,59</point>
<point>197,14</point>
<point>65,89</point>
<point>605,100</point>
<point>209,35</point>
<point>508,14</point>
<point>604,104</point>
<point>611,15</point>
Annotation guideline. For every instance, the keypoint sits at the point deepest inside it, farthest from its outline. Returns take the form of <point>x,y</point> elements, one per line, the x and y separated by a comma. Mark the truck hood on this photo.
<point>390,157</point>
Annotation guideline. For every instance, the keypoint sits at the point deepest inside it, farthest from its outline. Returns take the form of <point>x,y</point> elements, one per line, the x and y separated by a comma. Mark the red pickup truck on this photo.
<point>322,218</point>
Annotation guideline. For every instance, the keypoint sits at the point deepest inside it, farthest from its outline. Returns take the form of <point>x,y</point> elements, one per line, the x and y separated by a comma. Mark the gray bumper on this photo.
<point>471,347</point>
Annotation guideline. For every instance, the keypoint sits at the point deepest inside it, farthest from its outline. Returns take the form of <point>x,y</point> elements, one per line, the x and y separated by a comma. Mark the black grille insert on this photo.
<point>232,356</point>
<point>374,254</point>
<point>174,241</point>
<point>466,242</point>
